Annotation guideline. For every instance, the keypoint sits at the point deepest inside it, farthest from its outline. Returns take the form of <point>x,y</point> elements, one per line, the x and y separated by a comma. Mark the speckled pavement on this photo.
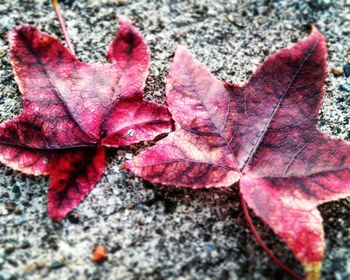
<point>159,232</point>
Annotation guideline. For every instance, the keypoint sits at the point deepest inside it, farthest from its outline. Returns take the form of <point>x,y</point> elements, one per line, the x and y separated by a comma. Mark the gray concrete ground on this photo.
<point>155,232</point>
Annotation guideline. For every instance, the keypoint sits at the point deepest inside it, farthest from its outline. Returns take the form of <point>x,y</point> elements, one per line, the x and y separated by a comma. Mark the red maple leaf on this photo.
<point>72,110</point>
<point>263,136</point>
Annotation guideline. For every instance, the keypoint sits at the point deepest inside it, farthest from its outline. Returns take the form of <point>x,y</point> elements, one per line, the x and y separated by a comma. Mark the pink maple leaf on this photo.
<point>262,137</point>
<point>72,110</point>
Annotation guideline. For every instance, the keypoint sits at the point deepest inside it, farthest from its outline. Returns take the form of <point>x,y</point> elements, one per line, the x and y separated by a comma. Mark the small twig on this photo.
<point>60,18</point>
<point>262,243</point>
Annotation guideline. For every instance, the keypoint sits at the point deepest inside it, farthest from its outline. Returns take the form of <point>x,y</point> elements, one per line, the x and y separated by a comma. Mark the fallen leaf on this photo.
<point>262,136</point>
<point>72,110</point>
<point>100,254</point>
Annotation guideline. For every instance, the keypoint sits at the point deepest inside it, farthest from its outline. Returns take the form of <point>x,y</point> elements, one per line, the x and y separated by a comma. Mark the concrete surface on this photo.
<point>154,232</point>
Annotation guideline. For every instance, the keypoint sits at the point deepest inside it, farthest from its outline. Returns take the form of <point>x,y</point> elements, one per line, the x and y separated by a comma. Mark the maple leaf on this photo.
<point>72,110</point>
<point>263,136</point>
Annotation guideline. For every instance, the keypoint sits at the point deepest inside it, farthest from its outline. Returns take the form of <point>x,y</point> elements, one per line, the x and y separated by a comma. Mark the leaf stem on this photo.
<point>60,18</point>
<point>262,243</point>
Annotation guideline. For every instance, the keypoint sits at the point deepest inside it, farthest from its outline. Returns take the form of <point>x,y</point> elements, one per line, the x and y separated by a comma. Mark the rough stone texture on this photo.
<point>157,232</point>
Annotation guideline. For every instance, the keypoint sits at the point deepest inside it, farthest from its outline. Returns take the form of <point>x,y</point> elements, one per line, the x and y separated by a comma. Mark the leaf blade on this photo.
<point>176,160</point>
<point>73,175</point>
<point>133,121</point>
<point>129,54</point>
<point>69,107</point>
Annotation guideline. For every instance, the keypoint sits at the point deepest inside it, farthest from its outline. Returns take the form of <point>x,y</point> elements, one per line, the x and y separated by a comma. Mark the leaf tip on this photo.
<point>128,43</point>
<point>55,215</point>
<point>313,270</point>
<point>123,19</point>
<point>125,26</point>
<point>181,49</point>
<point>313,29</point>
<point>317,33</point>
<point>54,211</point>
<point>21,29</point>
